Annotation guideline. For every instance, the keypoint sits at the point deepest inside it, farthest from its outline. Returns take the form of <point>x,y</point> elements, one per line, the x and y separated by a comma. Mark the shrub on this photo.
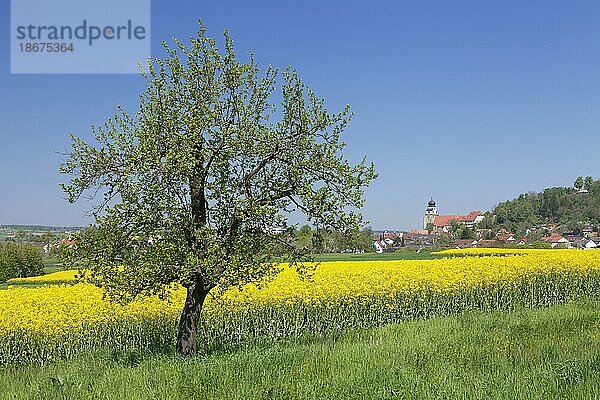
<point>20,260</point>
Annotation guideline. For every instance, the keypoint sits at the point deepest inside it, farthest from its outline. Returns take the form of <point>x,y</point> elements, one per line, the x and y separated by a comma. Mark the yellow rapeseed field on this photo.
<point>59,276</point>
<point>347,280</point>
<point>65,309</point>
<point>59,318</point>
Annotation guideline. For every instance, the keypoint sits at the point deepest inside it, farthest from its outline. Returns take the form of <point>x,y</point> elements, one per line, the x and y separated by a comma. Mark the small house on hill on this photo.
<point>556,240</point>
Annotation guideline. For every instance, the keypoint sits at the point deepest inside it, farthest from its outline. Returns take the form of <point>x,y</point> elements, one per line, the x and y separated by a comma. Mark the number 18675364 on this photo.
<point>44,47</point>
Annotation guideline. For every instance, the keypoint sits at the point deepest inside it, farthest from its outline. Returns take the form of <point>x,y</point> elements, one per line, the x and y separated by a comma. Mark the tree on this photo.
<point>578,184</point>
<point>20,234</point>
<point>588,183</point>
<point>456,228</point>
<point>430,227</point>
<point>304,237</point>
<point>467,233</point>
<point>444,241</point>
<point>20,260</point>
<point>195,187</point>
<point>356,240</point>
<point>47,237</point>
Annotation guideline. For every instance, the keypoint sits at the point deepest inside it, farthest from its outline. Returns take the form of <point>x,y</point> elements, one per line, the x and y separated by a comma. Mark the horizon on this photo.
<point>374,228</point>
<point>472,103</point>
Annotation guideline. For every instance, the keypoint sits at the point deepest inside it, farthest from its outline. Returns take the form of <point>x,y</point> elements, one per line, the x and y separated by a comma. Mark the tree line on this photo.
<point>573,207</point>
<point>317,241</point>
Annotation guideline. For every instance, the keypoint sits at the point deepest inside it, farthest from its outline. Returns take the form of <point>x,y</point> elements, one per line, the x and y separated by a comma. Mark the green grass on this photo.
<point>375,256</point>
<point>49,269</point>
<point>547,353</point>
<point>52,262</point>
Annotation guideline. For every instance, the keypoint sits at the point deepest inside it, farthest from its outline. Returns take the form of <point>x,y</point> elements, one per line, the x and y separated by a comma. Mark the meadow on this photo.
<point>405,255</point>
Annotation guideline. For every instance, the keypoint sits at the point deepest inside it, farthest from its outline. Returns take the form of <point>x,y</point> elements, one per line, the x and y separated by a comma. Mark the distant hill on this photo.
<point>571,207</point>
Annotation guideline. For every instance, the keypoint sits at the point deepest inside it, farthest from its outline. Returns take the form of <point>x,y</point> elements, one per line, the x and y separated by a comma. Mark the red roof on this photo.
<point>465,243</point>
<point>446,220</point>
<point>552,238</point>
<point>504,238</point>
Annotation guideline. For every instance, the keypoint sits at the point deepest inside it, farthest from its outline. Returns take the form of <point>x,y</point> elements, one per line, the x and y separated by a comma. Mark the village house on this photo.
<point>465,243</point>
<point>418,239</point>
<point>556,240</point>
<point>487,243</point>
<point>523,242</point>
<point>503,236</point>
<point>386,241</point>
<point>574,239</point>
<point>584,243</point>
<point>588,232</point>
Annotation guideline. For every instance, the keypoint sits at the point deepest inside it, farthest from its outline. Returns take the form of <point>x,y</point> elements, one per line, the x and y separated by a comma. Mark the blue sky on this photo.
<point>471,102</point>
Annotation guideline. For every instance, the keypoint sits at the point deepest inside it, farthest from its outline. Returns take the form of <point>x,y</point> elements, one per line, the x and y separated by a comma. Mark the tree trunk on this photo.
<point>188,323</point>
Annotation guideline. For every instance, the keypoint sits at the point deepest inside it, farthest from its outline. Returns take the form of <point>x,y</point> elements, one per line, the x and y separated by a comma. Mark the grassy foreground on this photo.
<point>547,353</point>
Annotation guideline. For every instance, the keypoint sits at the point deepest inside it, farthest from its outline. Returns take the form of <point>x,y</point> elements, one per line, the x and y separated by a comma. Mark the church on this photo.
<point>444,222</point>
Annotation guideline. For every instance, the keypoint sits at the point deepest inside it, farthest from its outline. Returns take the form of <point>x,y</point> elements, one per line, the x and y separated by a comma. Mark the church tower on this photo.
<point>430,214</point>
